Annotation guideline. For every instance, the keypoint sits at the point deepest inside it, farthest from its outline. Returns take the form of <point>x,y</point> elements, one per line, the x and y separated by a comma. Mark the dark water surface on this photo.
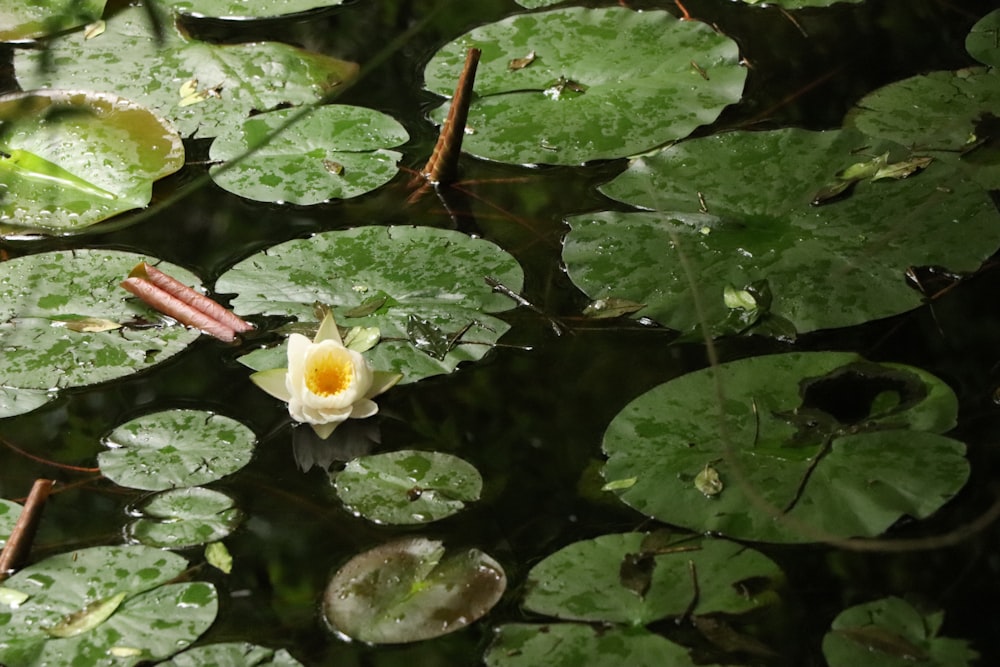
<point>531,421</point>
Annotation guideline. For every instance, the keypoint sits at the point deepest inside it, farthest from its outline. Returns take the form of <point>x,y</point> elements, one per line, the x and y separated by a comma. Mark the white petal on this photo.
<point>363,409</point>
<point>273,382</point>
<point>324,430</point>
<point>382,381</point>
<point>328,330</point>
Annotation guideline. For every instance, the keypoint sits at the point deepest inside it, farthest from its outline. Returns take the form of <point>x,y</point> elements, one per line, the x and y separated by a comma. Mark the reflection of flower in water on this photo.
<point>326,382</point>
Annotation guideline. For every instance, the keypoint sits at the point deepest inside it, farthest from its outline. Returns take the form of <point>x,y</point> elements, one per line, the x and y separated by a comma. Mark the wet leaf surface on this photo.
<point>240,10</point>
<point>33,19</point>
<point>233,654</point>
<point>184,518</point>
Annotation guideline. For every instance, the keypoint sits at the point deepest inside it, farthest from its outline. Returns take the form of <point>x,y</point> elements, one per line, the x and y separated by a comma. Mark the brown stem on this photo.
<point>19,542</point>
<point>198,301</point>
<point>442,167</point>
<point>180,311</point>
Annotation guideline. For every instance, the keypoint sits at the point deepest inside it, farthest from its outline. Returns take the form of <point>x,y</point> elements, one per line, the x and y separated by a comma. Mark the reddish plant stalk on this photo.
<point>442,166</point>
<point>198,301</point>
<point>19,543</point>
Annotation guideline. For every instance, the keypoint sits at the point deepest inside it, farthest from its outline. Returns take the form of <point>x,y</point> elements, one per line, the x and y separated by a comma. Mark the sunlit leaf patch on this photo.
<point>242,10</point>
<point>232,654</point>
<point>40,355</point>
<point>603,83</point>
<point>739,207</point>
<point>438,276</point>
<point>813,446</point>
<point>893,633</point>
<point>410,590</point>
<point>235,78</point>
<point>30,19</point>
<point>71,159</point>
<point>336,152</point>
<point>104,606</point>
<point>407,487</point>
<point>176,448</point>
<point>184,517</point>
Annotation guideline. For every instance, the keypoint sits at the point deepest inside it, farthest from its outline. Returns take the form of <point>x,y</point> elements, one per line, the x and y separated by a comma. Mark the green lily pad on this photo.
<point>574,644</point>
<point>738,206</point>
<point>409,590</point>
<point>175,448</point>
<point>601,83</point>
<point>813,446</point>
<point>232,654</point>
<point>407,487</point>
<point>797,4</point>
<point>981,42</point>
<point>337,152</point>
<point>9,512</point>
<point>433,276</point>
<point>31,19</point>
<point>109,152</point>
<point>638,578</point>
<point>185,518</point>
<point>42,295</point>
<point>536,4</point>
<point>241,10</point>
<point>145,618</point>
<point>230,80</point>
<point>891,633</point>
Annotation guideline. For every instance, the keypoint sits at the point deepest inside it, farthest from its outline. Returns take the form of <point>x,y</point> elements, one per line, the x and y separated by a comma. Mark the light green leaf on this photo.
<point>411,590</point>
<point>185,517</point>
<point>630,81</point>
<point>218,556</point>
<point>176,448</point>
<point>30,19</point>
<point>9,512</point>
<point>296,166</point>
<point>241,10</point>
<point>799,463</point>
<point>407,487</point>
<point>109,152</point>
<point>87,618</point>
<point>232,654</point>
<point>981,42</point>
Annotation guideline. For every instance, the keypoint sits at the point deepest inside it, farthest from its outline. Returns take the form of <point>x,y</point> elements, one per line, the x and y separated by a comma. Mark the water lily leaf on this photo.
<point>233,79</point>
<point>33,19</point>
<point>892,633</point>
<point>738,206</point>
<point>410,590</point>
<point>536,4</point>
<point>152,620</point>
<point>176,448</point>
<point>239,10</point>
<point>184,518</point>
<point>433,274</point>
<point>810,447</point>
<point>295,166</point>
<point>797,4</point>
<point>605,83</point>
<point>981,43</point>
<point>108,154</point>
<point>218,556</point>
<point>407,487</point>
<point>574,644</point>
<point>584,582</point>
<point>938,110</point>
<point>40,293</point>
<point>232,654</point>
<point>9,512</point>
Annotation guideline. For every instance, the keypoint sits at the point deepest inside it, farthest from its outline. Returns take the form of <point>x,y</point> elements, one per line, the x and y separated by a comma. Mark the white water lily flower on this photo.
<point>325,383</point>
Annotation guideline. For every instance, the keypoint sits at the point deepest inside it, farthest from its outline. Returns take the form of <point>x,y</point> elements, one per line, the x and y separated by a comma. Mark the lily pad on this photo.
<point>739,206</point>
<point>107,155</point>
<point>797,4</point>
<point>241,10</point>
<point>982,40</point>
<point>574,644</point>
<point>185,518</point>
<point>337,152</point>
<point>31,19</point>
<point>410,590</point>
<point>407,487</point>
<point>536,4</point>
<point>60,622</point>
<point>232,654</point>
<point>200,86</point>
<point>638,578</point>
<point>810,446</point>
<point>175,448</point>
<point>432,277</point>
<point>9,513</point>
<point>42,295</point>
<point>892,633</point>
<point>603,83</point>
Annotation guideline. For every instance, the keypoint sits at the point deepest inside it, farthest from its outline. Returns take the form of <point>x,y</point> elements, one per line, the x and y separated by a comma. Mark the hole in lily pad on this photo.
<point>410,590</point>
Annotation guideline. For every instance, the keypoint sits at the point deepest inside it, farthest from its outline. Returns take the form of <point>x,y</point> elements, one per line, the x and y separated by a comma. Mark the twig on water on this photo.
<point>19,542</point>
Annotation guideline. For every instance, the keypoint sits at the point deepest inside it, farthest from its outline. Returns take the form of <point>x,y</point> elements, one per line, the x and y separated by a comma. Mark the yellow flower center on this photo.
<point>329,373</point>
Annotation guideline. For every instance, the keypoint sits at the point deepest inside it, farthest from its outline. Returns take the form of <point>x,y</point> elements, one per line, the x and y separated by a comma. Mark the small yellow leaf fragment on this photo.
<point>125,651</point>
<point>12,598</point>
<point>708,481</point>
<point>619,484</point>
<point>190,94</point>
<point>91,325</point>
<point>95,29</point>
<point>218,556</point>
<point>87,618</point>
<point>521,63</point>
<point>334,168</point>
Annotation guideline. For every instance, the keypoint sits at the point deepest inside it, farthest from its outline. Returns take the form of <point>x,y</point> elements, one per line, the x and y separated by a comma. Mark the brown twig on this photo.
<point>19,542</point>
<point>174,298</point>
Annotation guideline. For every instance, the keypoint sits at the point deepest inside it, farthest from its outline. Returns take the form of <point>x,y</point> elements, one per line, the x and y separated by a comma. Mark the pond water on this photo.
<point>531,415</point>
